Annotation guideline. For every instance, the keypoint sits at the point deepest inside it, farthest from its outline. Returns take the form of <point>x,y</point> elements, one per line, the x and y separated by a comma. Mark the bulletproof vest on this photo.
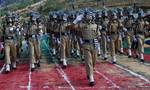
<point>129,23</point>
<point>9,31</point>
<point>140,27</point>
<point>33,30</point>
<point>89,31</point>
<point>114,26</point>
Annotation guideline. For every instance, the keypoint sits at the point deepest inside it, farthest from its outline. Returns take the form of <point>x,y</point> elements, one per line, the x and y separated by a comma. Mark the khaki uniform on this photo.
<point>89,34</point>
<point>140,37</point>
<point>55,37</point>
<point>76,40</point>
<point>104,37</point>
<point>18,39</point>
<point>129,34</point>
<point>10,48</point>
<point>120,41</point>
<point>113,30</point>
<point>64,44</point>
<point>34,43</point>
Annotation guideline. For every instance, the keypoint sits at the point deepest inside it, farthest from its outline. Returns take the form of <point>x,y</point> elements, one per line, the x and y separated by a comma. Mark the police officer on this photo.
<point>18,33</point>
<point>104,30</point>
<point>56,35</point>
<point>98,21</point>
<point>52,29</point>
<point>128,23</point>
<point>140,30</point>
<point>113,32</point>
<point>121,33</point>
<point>33,40</point>
<point>63,38</point>
<point>10,48</point>
<point>88,33</point>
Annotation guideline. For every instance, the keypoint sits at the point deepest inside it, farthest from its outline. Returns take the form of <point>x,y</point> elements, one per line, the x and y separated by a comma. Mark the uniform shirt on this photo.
<point>56,27</point>
<point>63,27</point>
<point>129,23</point>
<point>9,31</point>
<point>89,31</point>
<point>33,30</point>
<point>105,22</point>
<point>140,27</point>
<point>114,26</point>
<point>41,28</point>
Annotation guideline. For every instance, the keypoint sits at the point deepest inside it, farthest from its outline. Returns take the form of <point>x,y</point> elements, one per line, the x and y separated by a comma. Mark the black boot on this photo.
<point>91,84</point>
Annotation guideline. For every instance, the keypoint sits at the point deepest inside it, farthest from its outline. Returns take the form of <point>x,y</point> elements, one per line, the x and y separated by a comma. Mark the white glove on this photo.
<point>124,29</point>
<point>79,18</point>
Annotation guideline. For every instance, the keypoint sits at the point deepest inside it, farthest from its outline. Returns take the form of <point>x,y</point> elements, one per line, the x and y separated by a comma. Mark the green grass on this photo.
<point>19,5</point>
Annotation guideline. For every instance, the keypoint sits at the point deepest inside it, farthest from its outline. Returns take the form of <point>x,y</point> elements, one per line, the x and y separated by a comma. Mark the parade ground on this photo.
<point>127,74</point>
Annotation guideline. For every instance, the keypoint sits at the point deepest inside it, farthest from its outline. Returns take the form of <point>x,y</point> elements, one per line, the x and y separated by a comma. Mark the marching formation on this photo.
<point>86,33</point>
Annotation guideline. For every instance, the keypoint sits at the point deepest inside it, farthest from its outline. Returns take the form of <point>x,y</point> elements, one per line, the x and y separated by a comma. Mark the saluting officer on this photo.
<point>88,34</point>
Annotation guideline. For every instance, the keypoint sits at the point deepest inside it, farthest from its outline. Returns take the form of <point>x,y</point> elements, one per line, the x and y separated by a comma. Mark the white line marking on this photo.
<point>148,64</point>
<point>2,69</point>
<point>65,78</point>
<point>106,78</point>
<point>84,88</point>
<point>61,71</point>
<point>29,82</point>
<point>133,73</point>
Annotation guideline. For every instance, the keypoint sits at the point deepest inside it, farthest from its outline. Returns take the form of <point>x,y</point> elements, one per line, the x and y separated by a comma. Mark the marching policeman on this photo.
<point>129,32</point>
<point>140,30</point>
<point>63,39</point>
<point>88,34</point>
<point>33,40</point>
<point>113,32</point>
<point>9,43</point>
<point>104,43</point>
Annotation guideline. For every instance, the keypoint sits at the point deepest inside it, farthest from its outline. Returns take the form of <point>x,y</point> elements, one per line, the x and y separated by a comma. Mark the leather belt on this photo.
<point>89,41</point>
<point>113,32</point>
<point>63,33</point>
<point>140,32</point>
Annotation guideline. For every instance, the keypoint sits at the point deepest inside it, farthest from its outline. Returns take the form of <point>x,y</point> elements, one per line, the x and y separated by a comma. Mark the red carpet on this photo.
<point>107,77</point>
<point>15,80</point>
